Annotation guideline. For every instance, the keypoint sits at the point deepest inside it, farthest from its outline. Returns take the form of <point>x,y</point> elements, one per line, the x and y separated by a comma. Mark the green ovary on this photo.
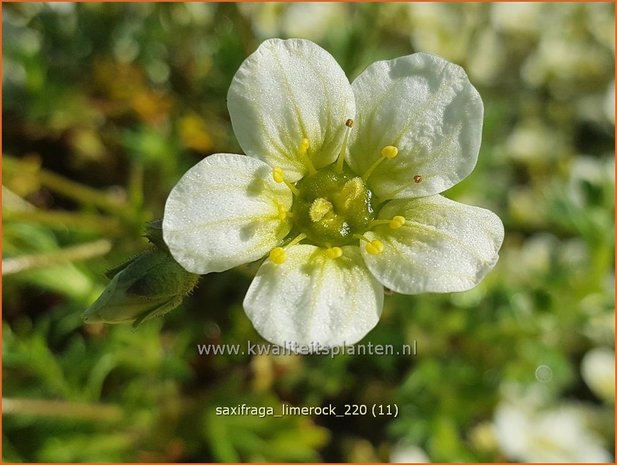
<point>332,207</point>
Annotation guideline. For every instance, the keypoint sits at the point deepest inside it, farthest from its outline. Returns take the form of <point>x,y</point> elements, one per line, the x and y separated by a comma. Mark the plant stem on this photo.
<point>81,193</point>
<point>60,408</point>
<point>63,219</point>
<point>71,189</point>
<point>69,254</point>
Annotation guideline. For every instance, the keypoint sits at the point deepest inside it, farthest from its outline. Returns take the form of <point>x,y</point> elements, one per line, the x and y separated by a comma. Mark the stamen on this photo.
<point>320,208</point>
<point>417,179</point>
<point>374,247</point>
<point>397,222</point>
<point>394,223</point>
<point>374,223</point>
<point>278,255</point>
<point>389,152</point>
<point>279,177</point>
<point>334,252</point>
<point>341,156</point>
<point>298,238</point>
<point>303,153</point>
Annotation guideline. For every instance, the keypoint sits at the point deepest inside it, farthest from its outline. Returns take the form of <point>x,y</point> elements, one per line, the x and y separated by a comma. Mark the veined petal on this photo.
<point>427,108</point>
<point>225,211</point>
<point>313,300</point>
<point>444,246</point>
<point>287,91</point>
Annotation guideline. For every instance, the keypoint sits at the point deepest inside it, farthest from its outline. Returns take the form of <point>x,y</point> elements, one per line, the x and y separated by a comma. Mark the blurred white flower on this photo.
<point>531,260</point>
<point>445,29</point>
<point>556,435</point>
<point>599,311</point>
<point>404,452</point>
<point>566,56</point>
<point>534,143</point>
<point>310,20</point>
<point>600,19</point>
<point>487,57</point>
<point>198,13</point>
<point>586,169</point>
<point>364,202</point>
<point>61,7</point>
<point>591,108</point>
<point>598,370</point>
<point>565,60</point>
<point>517,18</point>
<point>313,20</point>
<point>265,18</point>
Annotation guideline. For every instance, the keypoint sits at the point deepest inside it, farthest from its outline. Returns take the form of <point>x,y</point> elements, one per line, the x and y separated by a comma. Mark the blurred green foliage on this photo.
<point>105,107</point>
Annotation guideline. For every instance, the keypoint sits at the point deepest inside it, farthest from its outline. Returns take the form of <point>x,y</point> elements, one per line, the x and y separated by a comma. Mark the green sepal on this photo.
<point>149,285</point>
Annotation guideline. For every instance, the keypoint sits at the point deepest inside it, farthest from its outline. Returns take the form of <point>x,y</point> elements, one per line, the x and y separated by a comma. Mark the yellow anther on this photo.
<point>397,222</point>
<point>320,208</point>
<point>417,179</point>
<point>278,255</point>
<point>374,247</point>
<point>389,151</point>
<point>334,252</point>
<point>277,175</point>
<point>304,146</point>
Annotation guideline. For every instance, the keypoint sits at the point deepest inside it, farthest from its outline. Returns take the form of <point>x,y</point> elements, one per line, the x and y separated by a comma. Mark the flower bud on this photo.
<point>150,285</point>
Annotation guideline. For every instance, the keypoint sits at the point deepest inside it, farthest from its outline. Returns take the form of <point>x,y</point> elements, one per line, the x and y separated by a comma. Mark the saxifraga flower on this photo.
<point>341,212</point>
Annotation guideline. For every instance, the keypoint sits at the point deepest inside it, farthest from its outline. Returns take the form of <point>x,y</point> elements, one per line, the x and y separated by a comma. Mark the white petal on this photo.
<point>598,370</point>
<point>286,91</point>
<point>444,246</point>
<point>314,301</point>
<point>427,108</point>
<point>223,213</point>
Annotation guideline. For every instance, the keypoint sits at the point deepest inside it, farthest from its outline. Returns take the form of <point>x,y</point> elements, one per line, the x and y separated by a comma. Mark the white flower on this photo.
<point>403,452</point>
<point>444,28</point>
<point>364,203</point>
<point>598,370</point>
<point>555,435</point>
<point>310,20</point>
<point>517,18</point>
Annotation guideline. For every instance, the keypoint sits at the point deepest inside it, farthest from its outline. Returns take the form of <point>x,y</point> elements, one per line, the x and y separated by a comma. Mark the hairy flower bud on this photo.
<point>150,285</point>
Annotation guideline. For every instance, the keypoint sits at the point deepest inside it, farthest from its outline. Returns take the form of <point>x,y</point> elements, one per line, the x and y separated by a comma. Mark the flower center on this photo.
<point>331,207</point>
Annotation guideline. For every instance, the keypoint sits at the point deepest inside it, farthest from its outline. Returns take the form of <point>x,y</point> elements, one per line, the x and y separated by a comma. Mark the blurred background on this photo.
<point>105,106</point>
